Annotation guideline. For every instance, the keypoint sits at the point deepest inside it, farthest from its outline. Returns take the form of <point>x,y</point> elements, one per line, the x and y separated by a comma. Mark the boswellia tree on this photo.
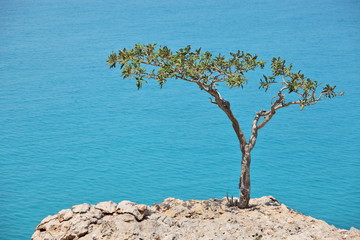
<point>144,62</point>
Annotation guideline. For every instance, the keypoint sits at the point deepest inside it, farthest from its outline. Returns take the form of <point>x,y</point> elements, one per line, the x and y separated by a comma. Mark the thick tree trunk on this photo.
<point>244,184</point>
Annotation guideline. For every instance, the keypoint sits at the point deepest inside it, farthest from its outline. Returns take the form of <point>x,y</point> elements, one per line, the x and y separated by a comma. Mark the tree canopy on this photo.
<point>160,63</point>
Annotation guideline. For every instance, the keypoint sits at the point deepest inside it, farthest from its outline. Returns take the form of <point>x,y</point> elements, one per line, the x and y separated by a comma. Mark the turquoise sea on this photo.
<point>72,131</point>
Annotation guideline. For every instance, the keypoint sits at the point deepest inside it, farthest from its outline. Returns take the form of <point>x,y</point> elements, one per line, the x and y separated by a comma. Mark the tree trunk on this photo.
<point>244,184</point>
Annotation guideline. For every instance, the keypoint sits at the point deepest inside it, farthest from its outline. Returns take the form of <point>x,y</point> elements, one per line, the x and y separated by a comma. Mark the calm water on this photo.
<point>71,131</point>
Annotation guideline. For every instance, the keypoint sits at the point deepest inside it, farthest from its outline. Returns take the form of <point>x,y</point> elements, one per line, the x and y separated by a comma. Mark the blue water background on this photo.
<point>71,131</point>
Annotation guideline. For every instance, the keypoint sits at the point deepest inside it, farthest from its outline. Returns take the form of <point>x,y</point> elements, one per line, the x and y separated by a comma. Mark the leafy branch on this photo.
<point>149,61</point>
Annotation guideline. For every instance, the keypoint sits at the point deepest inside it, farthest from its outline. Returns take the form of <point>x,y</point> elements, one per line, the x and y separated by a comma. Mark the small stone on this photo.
<point>129,207</point>
<point>290,220</point>
<point>64,215</point>
<point>92,213</point>
<point>82,208</point>
<point>46,220</point>
<point>106,207</point>
<point>141,207</point>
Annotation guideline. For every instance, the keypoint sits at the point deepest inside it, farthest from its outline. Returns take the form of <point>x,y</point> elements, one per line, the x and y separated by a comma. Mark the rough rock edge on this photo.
<point>175,219</point>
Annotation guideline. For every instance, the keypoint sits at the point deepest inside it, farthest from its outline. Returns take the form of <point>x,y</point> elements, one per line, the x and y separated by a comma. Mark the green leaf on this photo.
<point>151,61</point>
<point>112,60</point>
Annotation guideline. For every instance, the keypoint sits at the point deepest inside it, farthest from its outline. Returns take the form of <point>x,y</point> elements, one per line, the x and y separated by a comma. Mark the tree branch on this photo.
<point>254,129</point>
<point>280,103</point>
<point>225,106</point>
<point>212,101</point>
<point>269,114</point>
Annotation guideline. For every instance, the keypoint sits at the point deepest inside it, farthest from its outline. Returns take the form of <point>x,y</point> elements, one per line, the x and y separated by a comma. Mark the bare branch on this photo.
<point>212,101</point>
<point>254,129</point>
<point>269,114</point>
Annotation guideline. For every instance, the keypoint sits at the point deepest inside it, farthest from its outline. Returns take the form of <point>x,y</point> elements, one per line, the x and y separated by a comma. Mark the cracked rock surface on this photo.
<point>175,219</point>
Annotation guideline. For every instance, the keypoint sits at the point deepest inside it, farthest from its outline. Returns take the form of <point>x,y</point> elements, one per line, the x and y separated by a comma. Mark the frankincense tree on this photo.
<point>144,62</point>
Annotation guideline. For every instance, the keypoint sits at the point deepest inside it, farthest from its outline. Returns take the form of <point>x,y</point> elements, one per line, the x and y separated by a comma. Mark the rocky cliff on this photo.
<point>194,219</point>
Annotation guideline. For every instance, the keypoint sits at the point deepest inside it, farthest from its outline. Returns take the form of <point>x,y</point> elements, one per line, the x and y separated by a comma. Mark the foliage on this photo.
<point>160,63</point>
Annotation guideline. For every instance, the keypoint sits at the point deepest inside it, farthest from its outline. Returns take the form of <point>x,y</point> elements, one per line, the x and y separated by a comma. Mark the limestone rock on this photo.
<point>138,211</point>
<point>82,208</point>
<point>106,207</point>
<point>174,219</point>
<point>96,213</point>
<point>80,228</point>
<point>64,215</point>
<point>45,221</point>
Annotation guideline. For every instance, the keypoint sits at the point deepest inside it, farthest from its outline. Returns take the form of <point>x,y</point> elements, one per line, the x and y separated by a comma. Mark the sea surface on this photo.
<point>72,131</point>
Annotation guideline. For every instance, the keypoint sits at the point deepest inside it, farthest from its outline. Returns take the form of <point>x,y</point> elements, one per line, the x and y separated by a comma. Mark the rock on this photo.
<point>127,217</point>
<point>353,232</point>
<point>64,215</point>
<point>142,208</point>
<point>82,208</point>
<point>80,228</point>
<point>106,207</point>
<point>95,213</point>
<point>174,219</point>
<point>42,235</point>
<point>138,211</point>
<point>45,221</point>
